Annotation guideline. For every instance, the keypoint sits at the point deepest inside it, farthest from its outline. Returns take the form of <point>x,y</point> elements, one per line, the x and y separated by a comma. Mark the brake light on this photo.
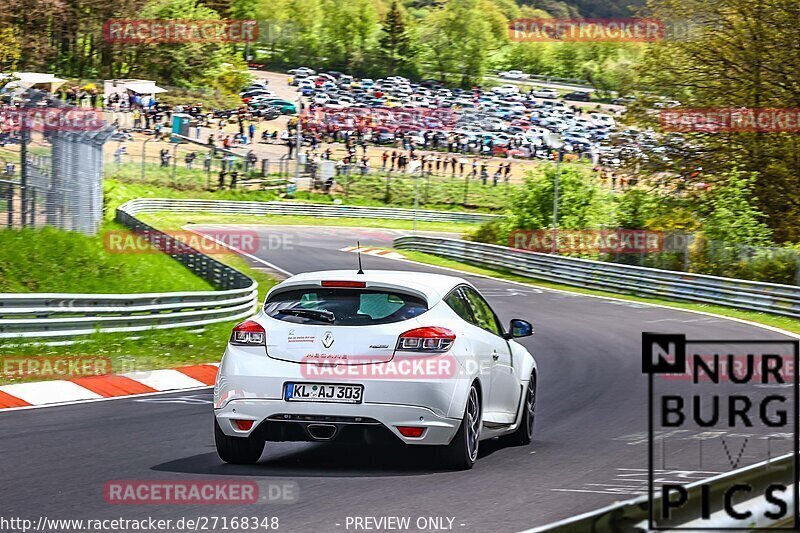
<point>243,425</point>
<point>350,284</point>
<point>429,339</point>
<point>249,333</point>
<point>410,431</point>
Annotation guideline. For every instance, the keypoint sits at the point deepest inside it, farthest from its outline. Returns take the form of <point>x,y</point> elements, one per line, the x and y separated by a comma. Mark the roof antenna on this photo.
<point>358,250</point>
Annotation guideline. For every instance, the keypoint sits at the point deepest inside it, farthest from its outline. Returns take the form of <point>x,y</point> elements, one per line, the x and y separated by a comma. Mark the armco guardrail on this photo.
<point>236,207</point>
<point>741,294</point>
<point>65,315</point>
<point>633,516</point>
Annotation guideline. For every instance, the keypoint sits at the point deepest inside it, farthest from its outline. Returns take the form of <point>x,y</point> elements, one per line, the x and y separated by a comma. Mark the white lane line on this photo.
<point>240,252</point>
<point>164,380</point>
<point>96,400</point>
<point>45,392</point>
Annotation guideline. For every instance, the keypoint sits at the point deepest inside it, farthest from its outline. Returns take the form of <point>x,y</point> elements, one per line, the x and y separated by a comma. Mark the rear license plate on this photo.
<point>323,392</point>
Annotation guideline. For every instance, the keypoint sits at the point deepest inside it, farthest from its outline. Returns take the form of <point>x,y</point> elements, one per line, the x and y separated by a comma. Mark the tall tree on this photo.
<point>394,48</point>
<point>740,53</point>
<point>458,37</point>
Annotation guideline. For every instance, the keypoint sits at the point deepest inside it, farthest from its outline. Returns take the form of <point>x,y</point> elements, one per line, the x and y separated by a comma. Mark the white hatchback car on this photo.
<point>545,93</point>
<point>373,357</point>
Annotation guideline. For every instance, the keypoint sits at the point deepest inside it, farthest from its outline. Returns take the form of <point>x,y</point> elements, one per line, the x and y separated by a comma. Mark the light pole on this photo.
<point>144,151</point>
<point>298,141</point>
<point>554,243</point>
<point>174,161</point>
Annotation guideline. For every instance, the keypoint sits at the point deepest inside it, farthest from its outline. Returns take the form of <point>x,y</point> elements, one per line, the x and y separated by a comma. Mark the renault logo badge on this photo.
<point>327,339</point>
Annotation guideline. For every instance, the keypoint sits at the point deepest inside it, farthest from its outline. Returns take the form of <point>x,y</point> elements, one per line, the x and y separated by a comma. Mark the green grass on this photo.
<point>51,260</point>
<point>788,324</point>
<point>147,350</point>
<point>153,349</point>
<point>433,192</point>
<point>179,219</point>
<point>184,179</point>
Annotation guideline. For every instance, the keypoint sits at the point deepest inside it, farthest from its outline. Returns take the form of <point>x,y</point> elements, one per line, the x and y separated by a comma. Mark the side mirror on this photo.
<point>519,328</point>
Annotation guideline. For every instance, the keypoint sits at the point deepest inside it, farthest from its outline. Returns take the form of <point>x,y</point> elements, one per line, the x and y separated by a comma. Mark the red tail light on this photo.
<point>249,333</point>
<point>350,284</point>
<point>243,425</point>
<point>411,431</point>
<point>429,339</point>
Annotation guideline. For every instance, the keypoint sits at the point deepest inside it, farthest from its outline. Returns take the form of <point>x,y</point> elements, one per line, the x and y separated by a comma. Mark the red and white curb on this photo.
<point>380,252</point>
<point>107,386</point>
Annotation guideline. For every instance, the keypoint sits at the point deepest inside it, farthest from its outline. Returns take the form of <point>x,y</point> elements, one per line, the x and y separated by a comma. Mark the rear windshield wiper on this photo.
<point>320,314</point>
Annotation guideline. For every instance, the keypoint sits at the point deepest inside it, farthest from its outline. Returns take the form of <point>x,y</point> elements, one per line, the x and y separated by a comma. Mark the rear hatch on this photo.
<point>346,326</point>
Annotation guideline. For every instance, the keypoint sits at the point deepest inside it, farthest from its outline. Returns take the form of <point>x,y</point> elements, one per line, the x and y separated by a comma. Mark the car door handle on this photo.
<point>495,355</point>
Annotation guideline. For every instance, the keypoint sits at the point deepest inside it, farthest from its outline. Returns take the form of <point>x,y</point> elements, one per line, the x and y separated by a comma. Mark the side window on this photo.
<point>484,316</point>
<point>458,304</point>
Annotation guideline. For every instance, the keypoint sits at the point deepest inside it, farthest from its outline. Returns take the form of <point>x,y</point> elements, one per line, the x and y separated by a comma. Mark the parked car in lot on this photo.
<point>577,96</point>
<point>302,71</point>
<point>506,89</point>
<point>514,75</point>
<point>415,108</point>
<point>545,93</point>
<point>317,364</point>
<point>284,106</point>
<point>601,119</point>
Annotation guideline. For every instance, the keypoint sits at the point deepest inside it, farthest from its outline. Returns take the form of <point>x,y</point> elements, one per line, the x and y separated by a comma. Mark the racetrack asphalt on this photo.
<point>589,449</point>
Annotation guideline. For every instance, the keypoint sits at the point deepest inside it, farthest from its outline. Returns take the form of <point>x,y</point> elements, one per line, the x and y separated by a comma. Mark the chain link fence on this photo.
<point>51,163</point>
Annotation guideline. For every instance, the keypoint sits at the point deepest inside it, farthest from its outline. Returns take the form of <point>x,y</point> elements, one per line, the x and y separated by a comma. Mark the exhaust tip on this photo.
<point>321,431</point>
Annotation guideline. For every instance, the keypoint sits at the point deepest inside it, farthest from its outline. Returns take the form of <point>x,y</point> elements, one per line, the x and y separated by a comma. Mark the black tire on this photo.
<point>237,450</point>
<point>462,452</point>
<point>524,433</point>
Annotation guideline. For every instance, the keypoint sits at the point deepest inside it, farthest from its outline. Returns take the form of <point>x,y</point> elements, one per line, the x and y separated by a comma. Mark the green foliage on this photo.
<point>51,260</point>
<point>493,232</point>
<point>193,64</point>
<point>457,39</point>
<point>733,217</point>
<point>738,53</point>
<point>9,50</point>
<point>582,204</point>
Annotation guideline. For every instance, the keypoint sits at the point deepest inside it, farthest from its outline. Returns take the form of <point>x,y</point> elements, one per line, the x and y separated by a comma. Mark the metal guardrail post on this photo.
<point>33,208</point>
<point>10,204</point>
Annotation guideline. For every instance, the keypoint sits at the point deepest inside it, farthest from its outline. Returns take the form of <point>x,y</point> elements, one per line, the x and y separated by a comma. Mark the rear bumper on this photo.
<point>250,386</point>
<point>278,420</point>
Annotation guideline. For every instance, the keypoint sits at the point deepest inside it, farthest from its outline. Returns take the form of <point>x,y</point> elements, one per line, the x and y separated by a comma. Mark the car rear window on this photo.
<point>344,307</point>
